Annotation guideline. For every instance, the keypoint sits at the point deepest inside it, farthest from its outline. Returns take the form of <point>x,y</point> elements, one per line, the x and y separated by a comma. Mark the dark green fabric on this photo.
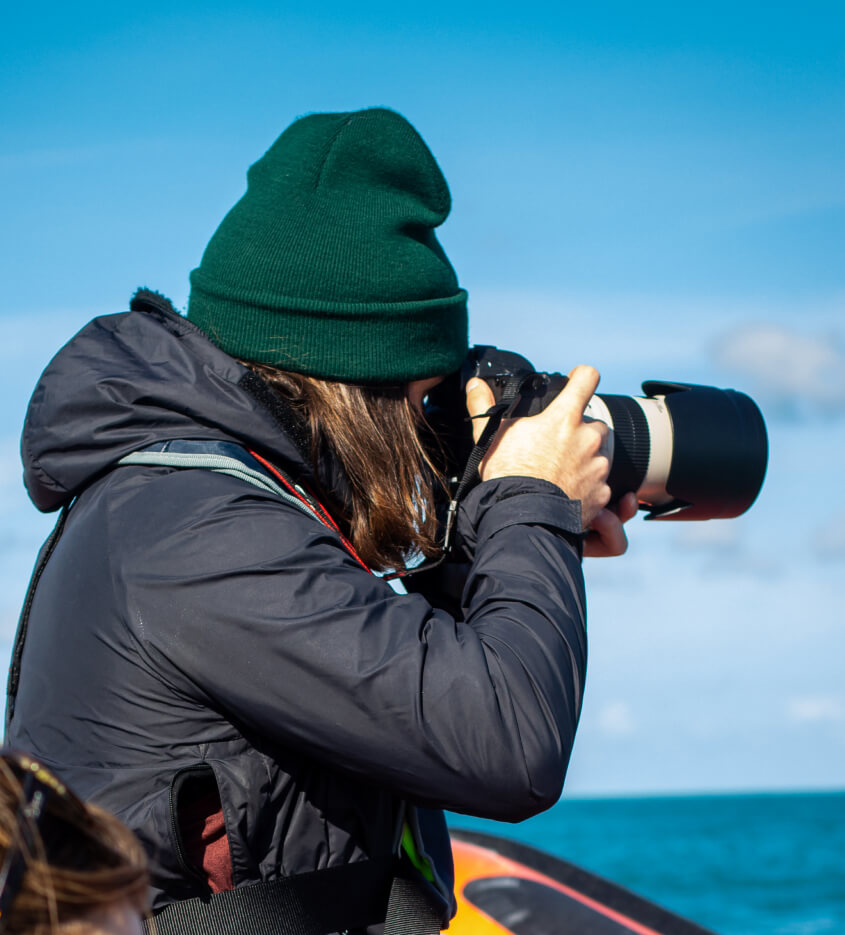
<point>329,264</point>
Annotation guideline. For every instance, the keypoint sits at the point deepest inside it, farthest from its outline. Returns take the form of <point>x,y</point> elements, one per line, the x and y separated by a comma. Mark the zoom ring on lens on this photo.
<point>631,444</point>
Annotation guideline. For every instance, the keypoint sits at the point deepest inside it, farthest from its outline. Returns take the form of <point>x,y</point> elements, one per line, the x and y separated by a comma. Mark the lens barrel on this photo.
<point>631,444</point>
<point>690,452</point>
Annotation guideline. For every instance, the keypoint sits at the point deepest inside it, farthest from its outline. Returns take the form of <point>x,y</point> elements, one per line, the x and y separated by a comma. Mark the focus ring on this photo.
<point>631,444</point>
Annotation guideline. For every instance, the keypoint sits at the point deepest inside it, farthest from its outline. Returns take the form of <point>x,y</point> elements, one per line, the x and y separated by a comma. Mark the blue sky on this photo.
<point>653,188</point>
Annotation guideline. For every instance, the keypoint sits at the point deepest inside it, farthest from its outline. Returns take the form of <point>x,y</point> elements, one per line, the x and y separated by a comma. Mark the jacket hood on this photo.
<point>128,380</point>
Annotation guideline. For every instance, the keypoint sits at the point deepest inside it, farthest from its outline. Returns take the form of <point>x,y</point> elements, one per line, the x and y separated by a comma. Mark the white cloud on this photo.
<point>715,535</point>
<point>8,628</point>
<point>828,540</point>
<point>795,372</point>
<point>10,472</point>
<point>722,548</point>
<point>616,719</point>
<point>813,709</point>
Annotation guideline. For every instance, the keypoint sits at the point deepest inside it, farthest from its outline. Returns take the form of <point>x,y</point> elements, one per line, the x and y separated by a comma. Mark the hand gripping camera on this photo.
<point>690,452</point>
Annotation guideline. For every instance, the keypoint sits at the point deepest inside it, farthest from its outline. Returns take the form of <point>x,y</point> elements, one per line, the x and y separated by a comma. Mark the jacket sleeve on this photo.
<point>259,611</point>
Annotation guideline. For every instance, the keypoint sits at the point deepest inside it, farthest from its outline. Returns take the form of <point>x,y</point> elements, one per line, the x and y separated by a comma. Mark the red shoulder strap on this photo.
<point>313,504</point>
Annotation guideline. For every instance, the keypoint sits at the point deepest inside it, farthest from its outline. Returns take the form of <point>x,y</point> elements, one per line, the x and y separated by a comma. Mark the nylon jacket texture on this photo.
<point>188,621</point>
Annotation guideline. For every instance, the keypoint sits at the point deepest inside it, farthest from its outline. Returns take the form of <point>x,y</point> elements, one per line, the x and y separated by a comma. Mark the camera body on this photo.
<point>689,452</point>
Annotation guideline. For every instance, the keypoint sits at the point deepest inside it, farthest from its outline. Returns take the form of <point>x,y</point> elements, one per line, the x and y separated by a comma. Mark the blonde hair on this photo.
<point>76,859</point>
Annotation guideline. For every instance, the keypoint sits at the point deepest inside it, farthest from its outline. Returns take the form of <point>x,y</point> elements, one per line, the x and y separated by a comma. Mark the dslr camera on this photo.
<point>689,452</point>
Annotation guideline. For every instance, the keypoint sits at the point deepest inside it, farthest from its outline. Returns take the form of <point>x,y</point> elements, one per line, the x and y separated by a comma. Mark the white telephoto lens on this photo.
<point>652,490</point>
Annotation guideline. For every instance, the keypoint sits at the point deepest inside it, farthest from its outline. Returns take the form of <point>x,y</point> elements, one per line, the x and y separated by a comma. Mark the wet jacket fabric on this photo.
<point>189,624</point>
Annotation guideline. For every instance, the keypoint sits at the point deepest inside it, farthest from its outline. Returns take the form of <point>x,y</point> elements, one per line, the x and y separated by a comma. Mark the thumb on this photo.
<point>479,399</point>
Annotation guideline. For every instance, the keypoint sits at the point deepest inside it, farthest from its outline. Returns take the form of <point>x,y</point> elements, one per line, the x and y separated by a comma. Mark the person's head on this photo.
<point>327,278</point>
<point>66,868</point>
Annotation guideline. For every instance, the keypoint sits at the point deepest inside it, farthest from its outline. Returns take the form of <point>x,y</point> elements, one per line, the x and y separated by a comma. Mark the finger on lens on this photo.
<point>609,528</point>
<point>628,507</point>
<point>580,387</point>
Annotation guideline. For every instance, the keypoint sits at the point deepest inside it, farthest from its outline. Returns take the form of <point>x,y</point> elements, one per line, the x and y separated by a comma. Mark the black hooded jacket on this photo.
<point>189,624</point>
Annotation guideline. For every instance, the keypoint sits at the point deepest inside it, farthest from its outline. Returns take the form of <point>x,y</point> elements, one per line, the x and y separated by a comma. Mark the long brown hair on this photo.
<point>374,433</point>
<point>80,861</point>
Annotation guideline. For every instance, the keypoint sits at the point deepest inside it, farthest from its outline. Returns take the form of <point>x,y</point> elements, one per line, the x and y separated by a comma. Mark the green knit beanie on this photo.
<point>329,264</point>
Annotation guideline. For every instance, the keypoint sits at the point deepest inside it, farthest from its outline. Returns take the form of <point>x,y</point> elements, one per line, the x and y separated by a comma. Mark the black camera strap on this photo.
<point>337,899</point>
<point>495,415</point>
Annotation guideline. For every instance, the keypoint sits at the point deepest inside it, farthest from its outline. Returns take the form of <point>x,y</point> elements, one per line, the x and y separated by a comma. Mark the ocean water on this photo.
<point>768,864</point>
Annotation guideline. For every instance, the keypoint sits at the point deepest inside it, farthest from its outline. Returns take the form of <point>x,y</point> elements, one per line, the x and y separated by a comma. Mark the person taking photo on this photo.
<point>207,650</point>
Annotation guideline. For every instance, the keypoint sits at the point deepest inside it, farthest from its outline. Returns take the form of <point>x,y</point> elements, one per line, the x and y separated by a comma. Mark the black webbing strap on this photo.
<point>350,896</point>
<point>495,415</point>
<point>23,623</point>
<point>412,908</point>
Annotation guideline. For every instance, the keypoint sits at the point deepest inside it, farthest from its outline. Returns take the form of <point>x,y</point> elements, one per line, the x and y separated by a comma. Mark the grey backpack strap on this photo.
<point>220,457</point>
